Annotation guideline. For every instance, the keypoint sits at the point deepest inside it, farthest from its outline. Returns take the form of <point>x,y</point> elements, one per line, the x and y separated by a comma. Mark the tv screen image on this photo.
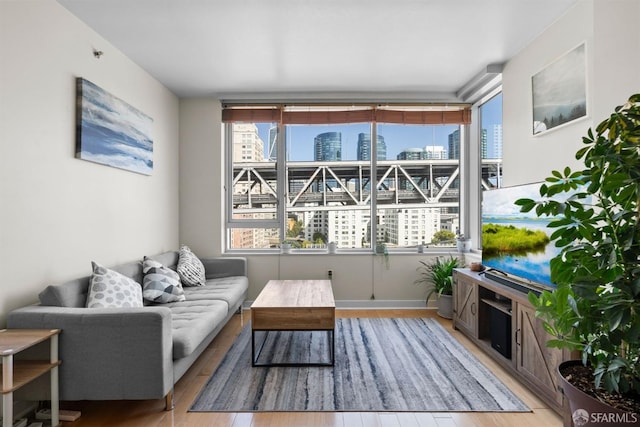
<point>513,242</point>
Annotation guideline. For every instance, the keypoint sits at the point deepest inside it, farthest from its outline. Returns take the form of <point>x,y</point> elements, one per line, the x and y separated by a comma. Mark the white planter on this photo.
<point>285,248</point>
<point>464,245</point>
<point>333,247</point>
<point>445,306</point>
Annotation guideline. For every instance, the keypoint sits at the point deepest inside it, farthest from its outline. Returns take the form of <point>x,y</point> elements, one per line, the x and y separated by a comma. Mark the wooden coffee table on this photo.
<point>294,305</point>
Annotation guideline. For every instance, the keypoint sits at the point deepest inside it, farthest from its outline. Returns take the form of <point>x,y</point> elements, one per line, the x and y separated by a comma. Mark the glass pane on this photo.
<point>328,184</point>
<point>254,238</point>
<point>254,171</point>
<point>491,142</point>
<point>418,185</point>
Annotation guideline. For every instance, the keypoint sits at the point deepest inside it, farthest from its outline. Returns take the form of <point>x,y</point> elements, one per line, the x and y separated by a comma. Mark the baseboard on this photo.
<point>370,304</point>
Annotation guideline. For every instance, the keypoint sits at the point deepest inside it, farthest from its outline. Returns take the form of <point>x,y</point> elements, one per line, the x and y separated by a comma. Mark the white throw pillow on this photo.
<point>108,288</point>
<point>190,268</point>
<point>160,284</point>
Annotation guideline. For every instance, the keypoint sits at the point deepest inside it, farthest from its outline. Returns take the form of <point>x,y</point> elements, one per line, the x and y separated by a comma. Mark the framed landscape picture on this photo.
<point>111,132</point>
<point>560,91</point>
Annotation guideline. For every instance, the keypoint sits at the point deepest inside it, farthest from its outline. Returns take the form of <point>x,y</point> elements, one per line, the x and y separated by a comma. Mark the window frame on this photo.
<point>280,220</point>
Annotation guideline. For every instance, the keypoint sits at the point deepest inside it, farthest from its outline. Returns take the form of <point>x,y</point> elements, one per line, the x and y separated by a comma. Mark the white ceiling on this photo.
<point>317,48</point>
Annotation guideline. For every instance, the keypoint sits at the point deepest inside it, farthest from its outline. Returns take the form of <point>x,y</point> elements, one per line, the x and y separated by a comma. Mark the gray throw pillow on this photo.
<point>108,288</point>
<point>190,268</point>
<point>160,284</point>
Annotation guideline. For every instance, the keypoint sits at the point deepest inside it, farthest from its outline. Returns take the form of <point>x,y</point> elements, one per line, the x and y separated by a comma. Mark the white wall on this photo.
<point>609,29</point>
<point>201,176</point>
<point>356,278</point>
<point>58,213</point>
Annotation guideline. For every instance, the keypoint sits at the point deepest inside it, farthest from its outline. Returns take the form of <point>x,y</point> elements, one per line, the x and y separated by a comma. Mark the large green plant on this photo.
<point>596,306</point>
<point>437,275</point>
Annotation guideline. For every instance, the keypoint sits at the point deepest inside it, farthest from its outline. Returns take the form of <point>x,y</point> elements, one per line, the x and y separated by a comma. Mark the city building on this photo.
<point>364,147</point>
<point>435,152</point>
<point>497,141</point>
<point>454,144</point>
<point>411,227</point>
<point>247,144</point>
<point>347,228</point>
<point>328,147</point>
<point>483,144</point>
<point>412,154</point>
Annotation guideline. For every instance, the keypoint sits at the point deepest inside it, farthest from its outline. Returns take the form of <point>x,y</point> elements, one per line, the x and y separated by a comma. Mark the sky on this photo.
<point>397,137</point>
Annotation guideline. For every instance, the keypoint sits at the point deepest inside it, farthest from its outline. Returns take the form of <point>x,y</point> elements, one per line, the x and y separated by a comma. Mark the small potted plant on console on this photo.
<point>595,308</point>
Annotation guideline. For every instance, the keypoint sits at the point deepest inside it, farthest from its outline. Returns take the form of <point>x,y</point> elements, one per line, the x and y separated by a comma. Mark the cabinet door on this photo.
<point>534,359</point>
<point>465,305</point>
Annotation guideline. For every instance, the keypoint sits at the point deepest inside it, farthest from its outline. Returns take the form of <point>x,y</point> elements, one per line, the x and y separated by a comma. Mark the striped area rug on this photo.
<point>395,365</point>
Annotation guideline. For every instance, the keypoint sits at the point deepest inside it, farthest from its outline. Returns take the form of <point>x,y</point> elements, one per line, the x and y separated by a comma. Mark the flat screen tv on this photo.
<point>516,245</point>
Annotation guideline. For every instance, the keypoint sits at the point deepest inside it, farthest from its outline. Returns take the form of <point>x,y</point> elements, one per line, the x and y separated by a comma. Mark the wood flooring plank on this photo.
<point>354,419</point>
<point>425,419</point>
<point>407,419</point>
<point>389,419</point>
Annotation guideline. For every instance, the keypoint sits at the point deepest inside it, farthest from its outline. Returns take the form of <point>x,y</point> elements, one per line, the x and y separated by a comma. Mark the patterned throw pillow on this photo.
<point>108,288</point>
<point>190,268</point>
<point>160,284</point>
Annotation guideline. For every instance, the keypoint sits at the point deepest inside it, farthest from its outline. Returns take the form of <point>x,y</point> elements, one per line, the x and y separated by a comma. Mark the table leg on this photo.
<point>7,384</point>
<point>55,397</point>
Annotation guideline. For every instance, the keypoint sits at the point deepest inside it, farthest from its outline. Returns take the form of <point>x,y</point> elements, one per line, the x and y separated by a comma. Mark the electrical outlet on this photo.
<point>330,274</point>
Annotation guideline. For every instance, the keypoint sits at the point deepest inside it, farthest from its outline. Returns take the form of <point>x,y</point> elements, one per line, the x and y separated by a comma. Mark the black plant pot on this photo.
<point>587,411</point>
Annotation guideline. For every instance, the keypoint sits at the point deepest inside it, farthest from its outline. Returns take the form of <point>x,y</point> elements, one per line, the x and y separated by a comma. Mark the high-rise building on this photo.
<point>328,147</point>
<point>412,154</point>
<point>483,144</point>
<point>427,153</point>
<point>497,141</point>
<point>435,152</point>
<point>454,144</point>
<point>364,147</point>
<point>411,227</point>
<point>346,228</point>
<point>247,144</point>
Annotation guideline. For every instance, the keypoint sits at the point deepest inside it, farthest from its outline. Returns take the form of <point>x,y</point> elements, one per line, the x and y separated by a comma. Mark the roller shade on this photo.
<point>336,114</point>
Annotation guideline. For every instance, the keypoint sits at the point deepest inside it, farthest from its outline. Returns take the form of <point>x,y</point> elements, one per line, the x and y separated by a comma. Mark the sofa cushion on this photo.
<point>69,294</point>
<point>190,268</point>
<point>108,288</point>
<point>228,289</point>
<point>160,284</point>
<point>192,321</point>
<point>168,259</point>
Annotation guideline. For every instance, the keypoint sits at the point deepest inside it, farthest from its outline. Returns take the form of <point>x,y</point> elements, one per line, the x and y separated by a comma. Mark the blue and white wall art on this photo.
<point>112,132</point>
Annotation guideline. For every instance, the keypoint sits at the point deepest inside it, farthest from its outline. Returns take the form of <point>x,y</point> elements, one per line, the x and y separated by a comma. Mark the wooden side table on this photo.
<point>18,373</point>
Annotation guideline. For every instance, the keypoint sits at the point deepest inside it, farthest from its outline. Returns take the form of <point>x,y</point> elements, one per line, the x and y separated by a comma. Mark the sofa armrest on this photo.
<point>109,353</point>
<point>218,267</point>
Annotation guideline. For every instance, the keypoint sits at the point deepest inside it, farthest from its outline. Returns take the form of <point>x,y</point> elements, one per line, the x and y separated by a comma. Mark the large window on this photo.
<point>359,176</point>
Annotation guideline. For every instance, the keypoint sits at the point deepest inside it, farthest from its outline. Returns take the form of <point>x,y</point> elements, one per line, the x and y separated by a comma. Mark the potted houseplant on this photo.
<point>595,308</point>
<point>285,247</point>
<point>437,276</point>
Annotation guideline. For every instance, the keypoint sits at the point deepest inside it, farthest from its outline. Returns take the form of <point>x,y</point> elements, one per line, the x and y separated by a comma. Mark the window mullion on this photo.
<point>373,180</point>
<point>282,184</point>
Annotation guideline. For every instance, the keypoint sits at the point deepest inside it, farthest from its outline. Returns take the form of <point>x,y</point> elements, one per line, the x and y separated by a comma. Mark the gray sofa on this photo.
<point>134,353</point>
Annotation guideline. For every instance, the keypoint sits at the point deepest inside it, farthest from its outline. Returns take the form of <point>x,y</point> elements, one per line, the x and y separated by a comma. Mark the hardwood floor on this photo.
<point>151,412</point>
